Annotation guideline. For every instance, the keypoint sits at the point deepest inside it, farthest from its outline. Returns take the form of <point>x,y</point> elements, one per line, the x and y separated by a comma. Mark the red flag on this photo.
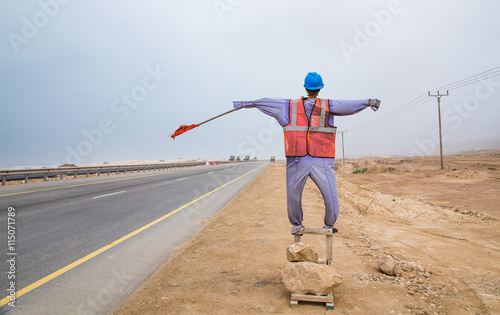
<point>182,129</point>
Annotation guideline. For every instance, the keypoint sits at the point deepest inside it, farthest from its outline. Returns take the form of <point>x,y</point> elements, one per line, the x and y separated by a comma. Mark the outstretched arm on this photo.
<point>349,107</point>
<point>275,107</point>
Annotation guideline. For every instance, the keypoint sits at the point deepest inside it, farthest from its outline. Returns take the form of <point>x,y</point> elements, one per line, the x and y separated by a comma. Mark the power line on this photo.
<point>475,81</point>
<point>422,98</point>
<point>405,108</point>
<point>421,102</point>
<point>476,75</point>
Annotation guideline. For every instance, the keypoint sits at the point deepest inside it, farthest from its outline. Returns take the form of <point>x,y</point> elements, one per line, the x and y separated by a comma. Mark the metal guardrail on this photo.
<point>45,173</point>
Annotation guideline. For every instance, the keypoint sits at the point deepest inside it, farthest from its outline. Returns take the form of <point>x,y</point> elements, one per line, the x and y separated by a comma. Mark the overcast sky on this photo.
<point>94,81</point>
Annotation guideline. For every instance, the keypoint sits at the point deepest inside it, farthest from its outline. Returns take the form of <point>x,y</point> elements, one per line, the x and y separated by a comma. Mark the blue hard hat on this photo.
<point>313,81</point>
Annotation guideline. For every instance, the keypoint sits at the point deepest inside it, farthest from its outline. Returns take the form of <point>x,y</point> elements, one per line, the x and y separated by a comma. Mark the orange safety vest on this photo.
<point>312,136</point>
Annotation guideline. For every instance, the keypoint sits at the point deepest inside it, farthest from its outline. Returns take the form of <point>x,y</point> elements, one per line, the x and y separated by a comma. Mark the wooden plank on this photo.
<point>312,298</point>
<point>316,231</point>
<point>329,245</point>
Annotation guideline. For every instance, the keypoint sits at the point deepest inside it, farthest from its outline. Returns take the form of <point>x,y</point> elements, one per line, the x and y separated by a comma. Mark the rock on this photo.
<point>67,165</point>
<point>387,265</point>
<point>412,266</point>
<point>309,278</point>
<point>301,252</point>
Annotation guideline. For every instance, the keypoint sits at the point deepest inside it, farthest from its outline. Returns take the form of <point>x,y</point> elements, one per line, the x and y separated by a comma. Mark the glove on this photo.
<point>238,104</point>
<point>374,104</point>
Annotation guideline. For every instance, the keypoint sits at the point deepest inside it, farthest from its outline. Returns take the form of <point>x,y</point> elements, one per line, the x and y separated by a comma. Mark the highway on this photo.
<point>82,246</point>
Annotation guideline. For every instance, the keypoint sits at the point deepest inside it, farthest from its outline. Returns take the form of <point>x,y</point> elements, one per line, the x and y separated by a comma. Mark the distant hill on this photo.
<point>479,146</point>
<point>479,151</point>
<point>373,157</point>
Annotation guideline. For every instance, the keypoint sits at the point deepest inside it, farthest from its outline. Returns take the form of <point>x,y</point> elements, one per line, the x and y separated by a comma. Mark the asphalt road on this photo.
<point>82,246</point>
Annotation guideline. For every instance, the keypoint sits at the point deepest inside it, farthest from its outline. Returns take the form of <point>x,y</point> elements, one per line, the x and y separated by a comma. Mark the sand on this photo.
<point>408,209</point>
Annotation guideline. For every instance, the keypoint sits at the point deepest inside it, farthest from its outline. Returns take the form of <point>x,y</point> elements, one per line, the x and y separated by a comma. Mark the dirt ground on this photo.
<point>444,223</point>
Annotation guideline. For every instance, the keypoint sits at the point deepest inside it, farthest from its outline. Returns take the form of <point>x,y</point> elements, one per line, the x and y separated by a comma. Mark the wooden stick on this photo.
<point>230,111</point>
<point>312,298</point>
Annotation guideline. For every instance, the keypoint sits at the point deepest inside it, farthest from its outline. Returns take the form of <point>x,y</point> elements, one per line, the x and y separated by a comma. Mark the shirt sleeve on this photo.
<point>348,107</point>
<point>274,107</point>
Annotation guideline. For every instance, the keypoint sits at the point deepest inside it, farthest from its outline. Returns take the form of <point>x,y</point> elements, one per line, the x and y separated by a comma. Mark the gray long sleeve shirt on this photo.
<point>279,109</point>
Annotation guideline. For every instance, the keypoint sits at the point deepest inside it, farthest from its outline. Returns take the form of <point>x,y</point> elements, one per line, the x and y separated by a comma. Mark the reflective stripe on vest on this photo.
<point>313,136</point>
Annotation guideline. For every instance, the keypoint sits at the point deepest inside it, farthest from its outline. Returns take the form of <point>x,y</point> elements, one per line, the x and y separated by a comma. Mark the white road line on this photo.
<point>210,173</point>
<point>178,179</point>
<point>118,192</point>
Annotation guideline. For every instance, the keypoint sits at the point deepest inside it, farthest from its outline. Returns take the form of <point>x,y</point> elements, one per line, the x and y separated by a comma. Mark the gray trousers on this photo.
<point>322,172</point>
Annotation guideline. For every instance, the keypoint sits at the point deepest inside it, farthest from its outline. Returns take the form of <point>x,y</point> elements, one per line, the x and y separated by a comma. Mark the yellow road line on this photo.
<point>80,261</point>
<point>106,181</point>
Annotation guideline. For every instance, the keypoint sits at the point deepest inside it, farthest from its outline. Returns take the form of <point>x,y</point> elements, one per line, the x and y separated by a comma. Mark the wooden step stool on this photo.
<point>328,299</point>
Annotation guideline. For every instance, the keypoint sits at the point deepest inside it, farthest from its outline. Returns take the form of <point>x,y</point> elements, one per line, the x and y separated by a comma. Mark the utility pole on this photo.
<point>438,95</point>
<point>342,133</point>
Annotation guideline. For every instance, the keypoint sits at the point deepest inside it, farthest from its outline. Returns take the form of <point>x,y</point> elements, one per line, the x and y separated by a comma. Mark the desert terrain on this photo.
<point>441,225</point>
